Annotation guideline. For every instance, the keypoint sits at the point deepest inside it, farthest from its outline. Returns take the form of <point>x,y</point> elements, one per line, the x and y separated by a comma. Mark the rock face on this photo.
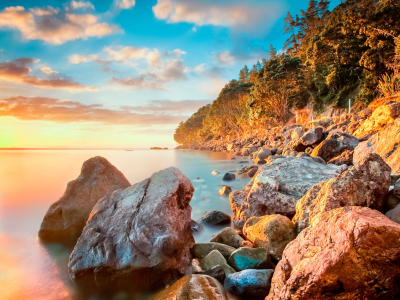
<point>271,232</point>
<point>346,253</point>
<point>250,258</point>
<point>194,287</point>
<point>385,143</point>
<point>229,237</point>
<point>65,219</point>
<point>335,144</point>
<point>249,284</point>
<point>277,187</point>
<point>214,218</point>
<point>139,235</point>
<point>382,116</point>
<point>365,184</point>
<point>312,136</point>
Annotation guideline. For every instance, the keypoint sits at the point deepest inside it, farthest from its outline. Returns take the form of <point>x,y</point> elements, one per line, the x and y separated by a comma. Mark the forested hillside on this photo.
<point>329,57</point>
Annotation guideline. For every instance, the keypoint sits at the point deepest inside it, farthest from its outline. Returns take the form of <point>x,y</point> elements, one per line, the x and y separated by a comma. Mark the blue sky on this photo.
<point>133,69</point>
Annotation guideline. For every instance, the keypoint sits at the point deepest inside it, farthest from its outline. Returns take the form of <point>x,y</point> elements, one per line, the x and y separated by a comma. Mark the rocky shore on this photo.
<point>318,219</point>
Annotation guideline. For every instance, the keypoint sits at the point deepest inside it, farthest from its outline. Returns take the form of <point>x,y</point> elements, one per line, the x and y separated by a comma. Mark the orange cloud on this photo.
<point>53,25</point>
<point>66,111</point>
<point>18,71</point>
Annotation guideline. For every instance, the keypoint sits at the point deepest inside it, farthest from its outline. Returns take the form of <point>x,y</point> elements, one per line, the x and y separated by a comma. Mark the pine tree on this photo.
<point>253,73</point>
<point>244,75</point>
<point>272,52</point>
<point>291,44</point>
<point>258,66</point>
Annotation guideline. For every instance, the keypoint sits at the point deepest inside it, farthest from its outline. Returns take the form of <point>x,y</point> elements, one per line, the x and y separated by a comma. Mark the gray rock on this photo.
<point>250,258</point>
<point>253,170</point>
<point>201,250</point>
<point>391,201</point>
<point>139,235</point>
<point>394,214</point>
<point>217,272</point>
<point>213,259</point>
<point>65,219</point>
<point>335,144</point>
<point>214,218</point>
<point>229,237</point>
<point>396,189</point>
<point>394,178</point>
<point>312,136</point>
<point>277,187</point>
<point>262,155</point>
<point>229,176</point>
<point>196,227</point>
<point>249,284</point>
<point>226,190</point>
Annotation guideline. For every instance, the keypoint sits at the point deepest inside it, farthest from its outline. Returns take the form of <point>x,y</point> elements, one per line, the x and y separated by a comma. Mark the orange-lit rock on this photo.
<point>334,145</point>
<point>365,184</point>
<point>346,253</point>
<point>65,219</point>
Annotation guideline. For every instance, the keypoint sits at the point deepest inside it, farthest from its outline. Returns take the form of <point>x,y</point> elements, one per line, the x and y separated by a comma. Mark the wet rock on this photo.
<point>262,155</point>
<point>312,136</point>
<point>365,184</point>
<point>346,158</point>
<point>201,250</point>
<point>213,259</point>
<point>391,201</point>
<point>253,170</point>
<point>196,227</point>
<point>394,214</point>
<point>250,258</point>
<point>335,144</point>
<point>65,219</point>
<point>382,116</point>
<point>214,218</point>
<point>277,187</point>
<point>229,177</point>
<point>217,272</point>
<point>346,253</point>
<point>229,237</point>
<point>385,143</point>
<point>271,232</point>
<point>193,287</point>
<point>225,191</point>
<point>396,189</point>
<point>394,178</point>
<point>214,173</point>
<point>139,235</point>
<point>249,284</point>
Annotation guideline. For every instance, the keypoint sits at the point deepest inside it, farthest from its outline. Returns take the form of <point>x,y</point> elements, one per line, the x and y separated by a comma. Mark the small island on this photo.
<point>158,148</point>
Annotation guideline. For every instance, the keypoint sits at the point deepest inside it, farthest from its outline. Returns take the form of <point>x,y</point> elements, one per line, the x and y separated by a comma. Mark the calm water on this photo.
<point>30,181</point>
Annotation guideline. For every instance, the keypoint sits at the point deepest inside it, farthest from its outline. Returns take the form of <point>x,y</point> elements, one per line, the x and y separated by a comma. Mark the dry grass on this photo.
<point>389,85</point>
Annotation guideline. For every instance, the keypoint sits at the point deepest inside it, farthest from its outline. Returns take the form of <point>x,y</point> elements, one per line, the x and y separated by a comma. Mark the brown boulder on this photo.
<point>65,219</point>
<point>346,158</point>
<point>193,287</point>
<point>385,143</point>
<point>347,253</point>
<point>365,184</point>
<point>334,145</point>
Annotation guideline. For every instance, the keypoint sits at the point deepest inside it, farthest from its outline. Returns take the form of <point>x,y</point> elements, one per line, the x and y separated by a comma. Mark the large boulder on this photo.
<point>346,158</point>
<point>385,143</point>
<point>262,155</point>
<point>346,253</point>
<point>334,145</point>
<point>382,116</point>
<point>193,287</point>
<point>277,186</point>
<point>312,136</point>
<point>139,237</point>
<point>65,219</point>
<point>271,232</point>
<point>249,284</point>
<point>365,184</point>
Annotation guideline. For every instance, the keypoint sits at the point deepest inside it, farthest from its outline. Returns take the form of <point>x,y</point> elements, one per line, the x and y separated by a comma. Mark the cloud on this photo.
<point>171,107</point>
<point>48,70</point>
<point>126,53</point>
<point>125,4</point>
<point>77,59</point>
<point>66,111</point>
<point>18,71</point>
<point>81,5</point>
<point>224,57</point>
<point>54,26</point>
<point>252,17</point>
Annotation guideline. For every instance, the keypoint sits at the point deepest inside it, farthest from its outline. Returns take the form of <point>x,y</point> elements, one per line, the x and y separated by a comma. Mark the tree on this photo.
<point>272,52</point>
<point>244,75</point>
<point>291,45</point>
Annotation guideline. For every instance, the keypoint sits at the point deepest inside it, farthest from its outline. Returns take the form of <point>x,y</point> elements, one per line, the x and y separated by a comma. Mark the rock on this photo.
<point>139,235</point>
<point>277,187</point>
<point>214,173</point>
<point>312,136</point>
<point>297,133</point>
<point>201,250</point>
<point>309,150</point>
<point>396,189</point>
<point>229,237</point>
<point>346,158</point>
<point>214,218</point>
<point>253,170</point>
<point>213,259</point>
<point>365,184</point>
<point>229,177</point>
<point>271,232</point>
<point>196,227</point>
<point>225,191</point>
<point>394,178</point>
<point>391,201</point>
<point>382,116</point>
<point>335,144</point>
<point>346,253</point>
<point>386,144</point>
<point>217,272</point>
<point>294,146</point>
<point>262,155</point>
<point>250,258</point>
<point>193,287</point>
<point>394,214</point>
<point>324,122</point>
<point>249,284</point>
<point>65,219</point>
<point>319,160</point>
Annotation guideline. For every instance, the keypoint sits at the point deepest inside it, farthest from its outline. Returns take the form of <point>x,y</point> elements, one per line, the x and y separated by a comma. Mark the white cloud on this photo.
<point>48,70</point>
<point>224,57</point>
<point>81,5</point>
<point>126,53</point>
<point>253,17</point>
<point>125,4</point>
<point>200,68</point>
<point>52,25</point>
<point>77,59</point>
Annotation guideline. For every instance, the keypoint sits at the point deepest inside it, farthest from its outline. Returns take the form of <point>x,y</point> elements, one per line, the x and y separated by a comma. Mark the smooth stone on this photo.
<point>250,258</point>
<point>213,259</point>
<point>217,272</point>
<point>229,177</point>
<point>228,236</point>
<point>226,190</point>
<point>201,250</point>
<point>214,218</point>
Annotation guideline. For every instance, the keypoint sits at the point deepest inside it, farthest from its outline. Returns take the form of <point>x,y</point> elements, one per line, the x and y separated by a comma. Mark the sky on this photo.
<point>123,73</point>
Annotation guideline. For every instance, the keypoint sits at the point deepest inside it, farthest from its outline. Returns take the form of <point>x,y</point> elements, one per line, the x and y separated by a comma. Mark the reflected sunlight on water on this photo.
<point>31,180</point>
